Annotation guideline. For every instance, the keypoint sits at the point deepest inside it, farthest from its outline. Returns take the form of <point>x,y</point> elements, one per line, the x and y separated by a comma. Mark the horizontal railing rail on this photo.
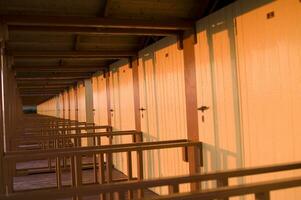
<point>99,153</point>
<point>260,189</point>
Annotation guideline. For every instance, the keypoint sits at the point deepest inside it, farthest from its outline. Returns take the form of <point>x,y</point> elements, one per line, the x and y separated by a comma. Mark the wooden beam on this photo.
<point>53,74</point>
<point>191,101</point>
<point>60,54</point>
<point>95,31</point>
<point>34,88</point>
<point>42,86</point>
<point>45,82</point>
<point>37,95</point>
<point>57,68</point>
<point>134,64</point>
<point>49,70</point>
<point>51,78</point>
<point>75,21</point>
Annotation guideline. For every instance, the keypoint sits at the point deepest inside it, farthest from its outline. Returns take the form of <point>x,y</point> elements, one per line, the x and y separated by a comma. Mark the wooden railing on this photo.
<point>63,140</point>
<point>101,152</point>
<point>261,190</point>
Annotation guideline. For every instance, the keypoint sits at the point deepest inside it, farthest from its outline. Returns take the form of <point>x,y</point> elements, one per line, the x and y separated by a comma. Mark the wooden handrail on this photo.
<point>257,188</point>
<point>11,158</point>
<point>116,148</point>
<point>34,138</point>
<point>72,128</point>
<point>261,190</point>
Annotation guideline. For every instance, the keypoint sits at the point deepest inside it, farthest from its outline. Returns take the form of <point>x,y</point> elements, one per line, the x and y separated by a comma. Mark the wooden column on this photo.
<point>191,100</point>
<point>135,64</point>
<point>2,185</point>
<point>89,106</point>
<point>107,76</point>
<point>76,106</point>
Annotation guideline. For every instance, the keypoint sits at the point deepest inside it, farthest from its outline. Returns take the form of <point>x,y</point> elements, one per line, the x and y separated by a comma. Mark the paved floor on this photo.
<point>46,180</point>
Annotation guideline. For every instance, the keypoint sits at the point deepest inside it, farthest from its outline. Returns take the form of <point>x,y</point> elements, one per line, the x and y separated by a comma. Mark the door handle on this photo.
<point>203,108</point>
<point>111,110</point>
<point>142,109</point>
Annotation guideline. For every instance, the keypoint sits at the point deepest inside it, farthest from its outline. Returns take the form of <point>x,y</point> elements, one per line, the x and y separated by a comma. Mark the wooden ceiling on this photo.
<point>55,43</point>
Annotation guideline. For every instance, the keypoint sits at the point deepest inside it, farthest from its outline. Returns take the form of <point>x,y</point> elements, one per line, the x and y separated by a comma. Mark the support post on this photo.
<point>134,64</point>
<point>89,107</point>
<point>191,100</point>
<point>107,74</point>
<point>262,196</point>
<point>2,127</point>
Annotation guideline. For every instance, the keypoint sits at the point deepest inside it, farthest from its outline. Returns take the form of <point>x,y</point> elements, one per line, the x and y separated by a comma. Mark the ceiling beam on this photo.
<point>51,78</point>
<point>42,86</point>
<point>22,91</point>
<point>38,95</point>
<point>49,70</point>
<point>52,74</point>
<point>75,21</point>
<point>95,31</point>
<point>71,54</point>
<point>45,82</point>
<point>83,66</point>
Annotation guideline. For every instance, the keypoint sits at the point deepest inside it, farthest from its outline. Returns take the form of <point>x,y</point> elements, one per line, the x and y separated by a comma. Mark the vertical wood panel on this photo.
<point>2,140</point>
<point>269,70</point>
<point>162,95</point>
<point>122,106</point>
<point>89,106</point>
<point>72,103</point>
<point>102,99</point>
<point>95,100</point>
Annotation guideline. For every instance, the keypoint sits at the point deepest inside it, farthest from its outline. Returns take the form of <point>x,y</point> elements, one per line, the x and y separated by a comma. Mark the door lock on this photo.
<point>142,109</point>
<point>203,108</point>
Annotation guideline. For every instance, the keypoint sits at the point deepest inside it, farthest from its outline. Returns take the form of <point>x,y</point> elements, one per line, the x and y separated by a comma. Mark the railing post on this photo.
<point>262,196</point>
<point>58,172</point>
<point>101,173</point>
<point>78,172</point>
<point>222,182</point>
<point>173,189</point>
<point>109,171</point>
<point>9,177</point>
<point>95,168</point>
<point>73,174</point>
<point>130,172</point>
<point>140,170</point>
<point>119,196</point>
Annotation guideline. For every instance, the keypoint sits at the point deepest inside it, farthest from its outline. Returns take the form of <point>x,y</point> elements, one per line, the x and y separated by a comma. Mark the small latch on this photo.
<point>203,108</point>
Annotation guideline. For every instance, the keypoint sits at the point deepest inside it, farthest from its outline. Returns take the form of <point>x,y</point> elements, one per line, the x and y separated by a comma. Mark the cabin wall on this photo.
<point>248,75</point>
<point>72,103</point>
<point>162,100</point>
<point>11,114</point>
<point>100,103</point>
<point>121,107</point>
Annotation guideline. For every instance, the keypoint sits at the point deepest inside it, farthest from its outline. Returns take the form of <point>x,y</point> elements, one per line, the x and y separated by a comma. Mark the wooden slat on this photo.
<point>219,193</point>
<point>73,21</point>
<point>95,31</point>
<point>61,54</point>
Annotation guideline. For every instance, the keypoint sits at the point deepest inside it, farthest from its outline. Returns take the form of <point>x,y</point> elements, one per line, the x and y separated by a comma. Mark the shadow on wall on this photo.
<point>217,155</point>
<point>220,32</point>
